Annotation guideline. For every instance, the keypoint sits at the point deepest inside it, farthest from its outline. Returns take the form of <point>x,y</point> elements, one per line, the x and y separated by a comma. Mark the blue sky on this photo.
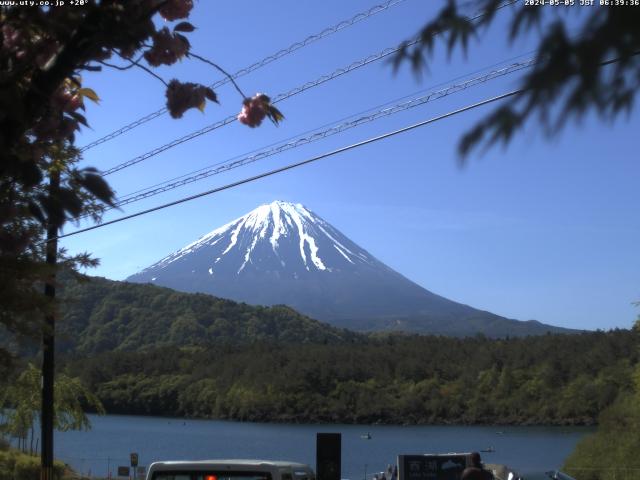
<point>542,229</point>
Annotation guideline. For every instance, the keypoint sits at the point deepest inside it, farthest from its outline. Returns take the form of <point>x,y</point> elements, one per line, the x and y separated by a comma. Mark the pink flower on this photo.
<point>253,110</point>
<point>256,108</point>
<point>60,98</point>
<point>183,96</point>
<point>14,41</point>
<point>167,48</point>
<point>175,9</point>
<point>74,103</point>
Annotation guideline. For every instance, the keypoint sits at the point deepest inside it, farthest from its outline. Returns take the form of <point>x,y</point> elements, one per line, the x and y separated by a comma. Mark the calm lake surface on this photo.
<point>528,450</point>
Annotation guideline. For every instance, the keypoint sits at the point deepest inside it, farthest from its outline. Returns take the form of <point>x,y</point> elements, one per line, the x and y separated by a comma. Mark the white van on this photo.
<point>229,470</point>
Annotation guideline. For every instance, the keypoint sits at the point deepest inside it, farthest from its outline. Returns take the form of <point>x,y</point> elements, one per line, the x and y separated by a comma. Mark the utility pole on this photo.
<point>48,338</point>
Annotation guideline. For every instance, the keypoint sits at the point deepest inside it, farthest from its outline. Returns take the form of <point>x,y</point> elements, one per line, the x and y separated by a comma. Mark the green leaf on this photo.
<point>274,114</point>
<point>36,212</point>
<point>97,186</point>
<point>90,94</point>
<point>78,118</point>
<point>70,201</point>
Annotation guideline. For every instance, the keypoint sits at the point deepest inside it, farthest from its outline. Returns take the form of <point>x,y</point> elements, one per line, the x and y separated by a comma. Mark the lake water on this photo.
<point>528,450</point>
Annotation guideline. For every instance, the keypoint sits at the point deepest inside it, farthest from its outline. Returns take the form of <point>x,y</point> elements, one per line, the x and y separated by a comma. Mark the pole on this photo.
<point>48,342</point>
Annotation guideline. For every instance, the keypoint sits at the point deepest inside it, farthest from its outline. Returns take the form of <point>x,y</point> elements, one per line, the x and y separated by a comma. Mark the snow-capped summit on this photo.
<point>294,234</point>
<point>283,253</point>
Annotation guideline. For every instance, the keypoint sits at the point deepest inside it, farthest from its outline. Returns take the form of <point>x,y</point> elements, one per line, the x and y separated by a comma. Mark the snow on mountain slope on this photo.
<point>275,223</point>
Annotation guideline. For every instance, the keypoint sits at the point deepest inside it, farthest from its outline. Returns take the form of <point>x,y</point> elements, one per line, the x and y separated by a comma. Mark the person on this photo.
<point>476,471</point>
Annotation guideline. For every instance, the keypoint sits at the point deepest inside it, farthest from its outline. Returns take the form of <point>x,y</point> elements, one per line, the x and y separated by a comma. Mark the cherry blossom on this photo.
<point>167,48</point>
<point>183,96</point>
<point>255,109</point>
<point>176,9</point>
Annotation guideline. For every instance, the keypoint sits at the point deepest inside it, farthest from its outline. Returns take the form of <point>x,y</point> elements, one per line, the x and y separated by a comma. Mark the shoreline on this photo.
<point>336,422</point>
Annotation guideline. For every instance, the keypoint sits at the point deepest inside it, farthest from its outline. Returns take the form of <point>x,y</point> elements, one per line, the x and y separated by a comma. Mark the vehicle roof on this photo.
<point>240,464</point>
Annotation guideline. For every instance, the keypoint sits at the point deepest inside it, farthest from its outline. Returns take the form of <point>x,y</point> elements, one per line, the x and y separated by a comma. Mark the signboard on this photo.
<point>432,467</point>
<point>123,472</point>
<point>134,459</point>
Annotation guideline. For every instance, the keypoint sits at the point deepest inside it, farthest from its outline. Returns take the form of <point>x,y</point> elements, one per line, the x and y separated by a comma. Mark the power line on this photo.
<point>255,66</point>
<point>295,165</point>
<point>232,118</point>
<point>321,134</point>
<point>459,78</point>
<point>283,96</point>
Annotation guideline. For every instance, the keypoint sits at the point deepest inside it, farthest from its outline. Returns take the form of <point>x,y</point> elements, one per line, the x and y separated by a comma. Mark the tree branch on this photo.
<point>136,63</point>
<point>132,63</point>
<point>219,68</point>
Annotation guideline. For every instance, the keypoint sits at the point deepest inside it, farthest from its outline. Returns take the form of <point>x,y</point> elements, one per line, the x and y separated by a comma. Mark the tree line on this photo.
<point>611,453</point>
<point>552,379</point>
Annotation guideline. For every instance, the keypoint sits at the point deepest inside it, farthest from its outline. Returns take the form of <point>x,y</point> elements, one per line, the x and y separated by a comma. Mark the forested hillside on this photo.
<point>101,315</point>
<point>553,379</point>
<point>611,453</point>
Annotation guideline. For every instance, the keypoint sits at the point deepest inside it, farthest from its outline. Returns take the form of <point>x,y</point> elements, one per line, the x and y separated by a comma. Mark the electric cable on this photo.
<point>459,78</point>
<point>232,118</point>
<point>283,96</point>
<point>293,165</point>
<point>255,66</point>
<point>319,134</point>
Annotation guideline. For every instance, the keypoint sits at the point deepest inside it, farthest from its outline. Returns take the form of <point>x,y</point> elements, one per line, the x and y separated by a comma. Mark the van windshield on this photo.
<point>210,475</point>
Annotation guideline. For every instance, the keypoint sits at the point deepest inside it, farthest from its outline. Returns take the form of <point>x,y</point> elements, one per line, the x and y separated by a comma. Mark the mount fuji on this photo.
<point>282,253</point>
